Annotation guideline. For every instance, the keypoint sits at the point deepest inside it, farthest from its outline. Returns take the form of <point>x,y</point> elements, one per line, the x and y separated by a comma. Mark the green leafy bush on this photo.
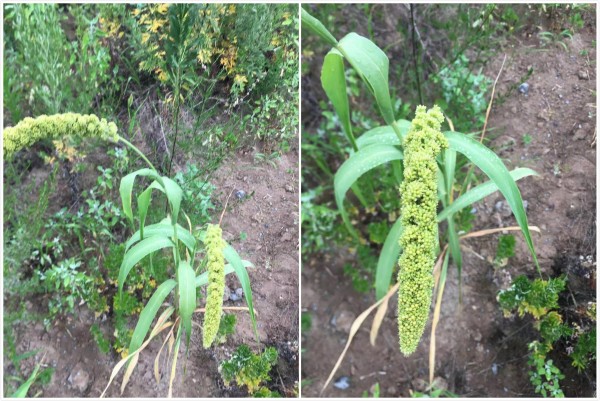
<point>539,298</point>
<point>249,369</point>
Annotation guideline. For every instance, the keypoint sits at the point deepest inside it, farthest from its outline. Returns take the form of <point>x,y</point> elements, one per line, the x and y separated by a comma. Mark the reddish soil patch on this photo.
<point>269,218</point>
<point>480,352</point>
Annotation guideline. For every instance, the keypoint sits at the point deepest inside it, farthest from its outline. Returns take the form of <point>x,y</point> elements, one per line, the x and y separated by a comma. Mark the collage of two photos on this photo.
<point>267,200</point>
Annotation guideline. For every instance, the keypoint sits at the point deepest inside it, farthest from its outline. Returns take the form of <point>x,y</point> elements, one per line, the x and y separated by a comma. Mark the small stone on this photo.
<point>582,132</point>
<point>79,378</point>
<point>392,391</point>
<point>237,295</point>
<point>240,194</point>
<point>513,110</point>
<point>343,321</point>
<point>524,88</point>
<point>477,335</point>
<point>583,74</point>
<point>289,188</point>
<point>543,115</point>
<point>226,293</point>
<point>342,383</point>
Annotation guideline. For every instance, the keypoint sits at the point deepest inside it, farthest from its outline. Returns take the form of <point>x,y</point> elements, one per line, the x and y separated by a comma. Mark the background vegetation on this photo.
<point>188,84</point>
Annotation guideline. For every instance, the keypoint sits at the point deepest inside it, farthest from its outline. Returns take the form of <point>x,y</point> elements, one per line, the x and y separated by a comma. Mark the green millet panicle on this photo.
<point>30,130</point>
<point>216,283</point>
<point>422,144</point>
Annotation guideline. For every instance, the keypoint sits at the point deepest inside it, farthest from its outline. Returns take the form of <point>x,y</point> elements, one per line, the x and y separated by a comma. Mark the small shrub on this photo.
<point>247,368</point>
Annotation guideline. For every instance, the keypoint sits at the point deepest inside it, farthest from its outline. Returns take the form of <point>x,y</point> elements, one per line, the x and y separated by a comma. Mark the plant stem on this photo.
<point>415,51</point>
<point>136,150</point>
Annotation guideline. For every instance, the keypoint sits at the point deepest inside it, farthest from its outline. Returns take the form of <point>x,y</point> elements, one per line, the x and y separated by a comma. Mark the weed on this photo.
<point>249,369</point>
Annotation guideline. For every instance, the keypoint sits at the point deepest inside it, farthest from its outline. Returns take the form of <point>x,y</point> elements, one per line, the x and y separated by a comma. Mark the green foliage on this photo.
<point>464,92</point>
<point>305,322</point>
<point>101,341</point>
<point>49,73</point>
<point>226,327</point>
<point>535,297</point>
<point>505,249</point>
<point>249,369</point>
<point>319,224</point>
<point>540,299</point>
<point>197,194</point>
<point>544,375</point>
<point>585,349</point>
<point>375,392</point>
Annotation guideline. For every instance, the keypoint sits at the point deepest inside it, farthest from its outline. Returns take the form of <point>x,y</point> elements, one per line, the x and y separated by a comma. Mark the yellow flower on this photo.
<point>162,77</point>
<point>145,38</point>
<point>231,9</point>
<point>157,24</point>
<point>240,79</point>
<point>135,12</point>
<point>203,56</point>
<point>163,8</point>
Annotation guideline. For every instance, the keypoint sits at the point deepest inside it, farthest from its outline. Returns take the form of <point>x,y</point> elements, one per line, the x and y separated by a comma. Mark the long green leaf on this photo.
<point>317,27</point>
<point>352,169</point>
<point>479,192</point>
<point>493,167</point>
<point>388,259</point>
<point>126,188</point>
<point>174,195</point>
<point>24,388</point>
<point>149,313</point>
<point>242,274</point>
<point>187,296</point>
<point>202,279</point>
<point>138,252</point>
<point>449,170</point>
<point>164,229</point>
<point>333,80</point>
<point>372,65</point>
<point>143,202</point>
<point>383,135</point>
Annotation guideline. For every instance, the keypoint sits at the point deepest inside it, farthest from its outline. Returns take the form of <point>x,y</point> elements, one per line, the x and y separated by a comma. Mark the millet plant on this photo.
<point>424,162</point>
<point>149,239</point>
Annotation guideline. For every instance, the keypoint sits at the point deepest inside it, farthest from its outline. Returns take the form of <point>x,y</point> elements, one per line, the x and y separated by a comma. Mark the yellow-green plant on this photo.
<point>424,161</point>
<point>422,144</point>
<point>216,283</point>
<point>148,239</point>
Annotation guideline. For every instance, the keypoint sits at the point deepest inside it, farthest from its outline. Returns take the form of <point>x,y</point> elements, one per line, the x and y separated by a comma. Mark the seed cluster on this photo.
<point>422,144</point>
<point>30,130</point>
<point>216,283</point>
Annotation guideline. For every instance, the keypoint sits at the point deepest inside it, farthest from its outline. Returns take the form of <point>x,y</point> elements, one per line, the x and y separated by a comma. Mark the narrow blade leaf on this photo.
<point>187,296</point>
<point>138,252</point>
<point>234,259</point>
<point>333,80</point>
<point>383,135</point>
<point>310,22</point>
<point>492,166</point>
<point>149,313</point>
<point>479,192</point>
<point>202,279</point>
<point>388,258</point>
<point>353,168</point>
<point>163,229</point>
<point>372,65</point>
<point>126,188</point>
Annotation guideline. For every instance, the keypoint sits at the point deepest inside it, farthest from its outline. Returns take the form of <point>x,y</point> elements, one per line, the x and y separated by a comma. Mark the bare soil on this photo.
<point>480,353</point>
<point>269,222</point>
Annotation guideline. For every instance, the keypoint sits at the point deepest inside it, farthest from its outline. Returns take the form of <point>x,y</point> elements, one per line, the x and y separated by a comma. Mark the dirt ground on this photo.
<point>269,219</point>
<point>480,353</point>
